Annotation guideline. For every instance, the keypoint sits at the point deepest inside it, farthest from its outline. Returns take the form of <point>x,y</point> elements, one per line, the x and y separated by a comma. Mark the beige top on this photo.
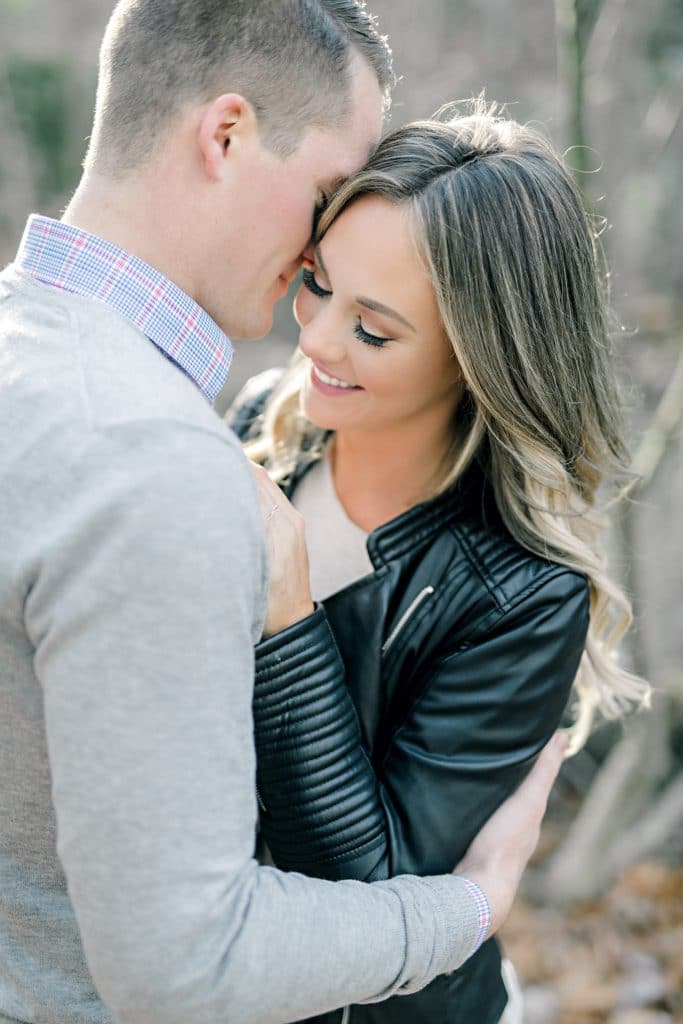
<point>336,546</point>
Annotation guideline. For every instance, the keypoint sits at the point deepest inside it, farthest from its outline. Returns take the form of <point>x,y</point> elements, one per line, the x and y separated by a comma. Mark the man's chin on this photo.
<point>253,331</point>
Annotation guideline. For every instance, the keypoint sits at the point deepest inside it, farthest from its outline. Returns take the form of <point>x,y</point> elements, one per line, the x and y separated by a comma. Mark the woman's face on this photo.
<point>378,354</point>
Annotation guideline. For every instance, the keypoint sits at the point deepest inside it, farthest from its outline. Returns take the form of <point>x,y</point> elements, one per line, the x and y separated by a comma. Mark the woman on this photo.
<point>442,433</point>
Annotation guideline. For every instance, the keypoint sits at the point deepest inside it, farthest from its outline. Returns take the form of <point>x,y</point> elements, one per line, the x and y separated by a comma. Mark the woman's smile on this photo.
<point>330,385</point>
<point>367,307</point>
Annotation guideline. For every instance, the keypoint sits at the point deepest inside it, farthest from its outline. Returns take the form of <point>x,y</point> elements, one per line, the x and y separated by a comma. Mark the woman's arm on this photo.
<point>480,717</point>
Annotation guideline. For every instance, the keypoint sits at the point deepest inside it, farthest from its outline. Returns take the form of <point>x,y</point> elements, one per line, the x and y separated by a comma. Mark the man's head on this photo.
<point>288,58</point>
<point>248,113</point>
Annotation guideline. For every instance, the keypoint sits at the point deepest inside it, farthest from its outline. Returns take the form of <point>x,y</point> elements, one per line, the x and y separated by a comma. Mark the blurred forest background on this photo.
<point>598,933</point>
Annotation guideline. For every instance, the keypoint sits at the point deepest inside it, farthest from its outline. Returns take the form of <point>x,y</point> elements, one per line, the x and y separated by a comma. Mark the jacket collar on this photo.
<point>470,497</point>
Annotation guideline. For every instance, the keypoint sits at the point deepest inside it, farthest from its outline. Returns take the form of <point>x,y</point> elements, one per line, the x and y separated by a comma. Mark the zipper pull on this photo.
<point>410,610</point>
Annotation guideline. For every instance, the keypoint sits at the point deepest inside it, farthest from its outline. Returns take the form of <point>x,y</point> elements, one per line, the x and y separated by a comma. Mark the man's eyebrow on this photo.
<point>330,187</point>
<point>327,190</point>
<point>378,307</point>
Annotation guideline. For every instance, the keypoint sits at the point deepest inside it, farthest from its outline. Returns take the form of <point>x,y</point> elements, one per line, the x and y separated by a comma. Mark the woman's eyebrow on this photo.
<point>377,307</point>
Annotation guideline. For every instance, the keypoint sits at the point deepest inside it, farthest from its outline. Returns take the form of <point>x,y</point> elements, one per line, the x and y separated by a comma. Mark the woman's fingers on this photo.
<point>269,493</point>
<point>289,598</point>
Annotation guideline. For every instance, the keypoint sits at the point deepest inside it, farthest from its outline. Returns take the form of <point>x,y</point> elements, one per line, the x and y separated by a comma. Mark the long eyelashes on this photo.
<point>322,293</point>
<point>312,285</point>
<point>369,339</point>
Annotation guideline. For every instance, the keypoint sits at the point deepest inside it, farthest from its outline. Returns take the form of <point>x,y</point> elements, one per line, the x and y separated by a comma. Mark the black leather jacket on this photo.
<point>393,721</point>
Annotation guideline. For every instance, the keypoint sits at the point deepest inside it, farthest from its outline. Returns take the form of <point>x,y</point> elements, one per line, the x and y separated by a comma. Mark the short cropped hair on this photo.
<point>288,58</point>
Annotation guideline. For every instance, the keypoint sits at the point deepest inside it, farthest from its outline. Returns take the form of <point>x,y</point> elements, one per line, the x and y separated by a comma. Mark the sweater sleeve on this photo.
<point>147,598</point>
<point>479,716</point>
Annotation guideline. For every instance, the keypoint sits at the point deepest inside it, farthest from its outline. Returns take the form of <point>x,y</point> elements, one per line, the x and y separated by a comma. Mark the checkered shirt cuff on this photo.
<point>483,910</point>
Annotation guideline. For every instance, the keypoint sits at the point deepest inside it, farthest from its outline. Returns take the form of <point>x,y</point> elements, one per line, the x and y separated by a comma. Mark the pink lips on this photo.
<point>329,389</point>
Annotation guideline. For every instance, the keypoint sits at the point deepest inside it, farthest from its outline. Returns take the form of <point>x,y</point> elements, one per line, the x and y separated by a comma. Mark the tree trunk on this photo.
<point>615,825</point>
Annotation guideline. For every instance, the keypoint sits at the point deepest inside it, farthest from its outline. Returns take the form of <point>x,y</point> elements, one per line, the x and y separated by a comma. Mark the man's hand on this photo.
<point>498,855</point>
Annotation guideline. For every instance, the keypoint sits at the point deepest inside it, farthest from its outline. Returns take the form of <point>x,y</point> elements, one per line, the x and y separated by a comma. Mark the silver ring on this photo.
<point>274,509</point>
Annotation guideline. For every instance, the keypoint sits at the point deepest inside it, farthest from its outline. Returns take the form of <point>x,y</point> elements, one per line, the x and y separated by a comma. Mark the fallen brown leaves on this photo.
<point>616,960</point>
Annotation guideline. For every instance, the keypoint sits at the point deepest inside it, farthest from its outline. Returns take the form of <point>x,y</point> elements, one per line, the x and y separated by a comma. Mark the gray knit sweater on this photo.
<point>132,587</point>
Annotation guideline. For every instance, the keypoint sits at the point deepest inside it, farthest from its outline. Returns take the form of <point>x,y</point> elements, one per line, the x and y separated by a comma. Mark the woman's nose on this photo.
<point>320,338</point>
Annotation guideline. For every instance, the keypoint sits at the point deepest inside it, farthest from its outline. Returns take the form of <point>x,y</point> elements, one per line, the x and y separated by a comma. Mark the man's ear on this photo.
<point>227,123</point>
<point>308,255</point>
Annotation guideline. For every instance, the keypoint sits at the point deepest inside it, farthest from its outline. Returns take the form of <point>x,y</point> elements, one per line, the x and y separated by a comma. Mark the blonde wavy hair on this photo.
<point>517,272</point>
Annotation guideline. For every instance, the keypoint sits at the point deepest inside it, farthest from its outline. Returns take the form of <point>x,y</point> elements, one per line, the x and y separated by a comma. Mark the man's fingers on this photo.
<point>539,782</point>
<point>501,850</point>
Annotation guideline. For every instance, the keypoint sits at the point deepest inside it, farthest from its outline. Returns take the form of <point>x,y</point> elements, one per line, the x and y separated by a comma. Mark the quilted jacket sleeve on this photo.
<point>481,714</point>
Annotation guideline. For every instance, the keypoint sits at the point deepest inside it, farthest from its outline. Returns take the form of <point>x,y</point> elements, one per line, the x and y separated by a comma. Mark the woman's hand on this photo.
<point>289,597</point>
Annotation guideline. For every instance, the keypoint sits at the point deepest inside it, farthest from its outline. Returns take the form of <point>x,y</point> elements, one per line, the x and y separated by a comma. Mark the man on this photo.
<point>132,569</point>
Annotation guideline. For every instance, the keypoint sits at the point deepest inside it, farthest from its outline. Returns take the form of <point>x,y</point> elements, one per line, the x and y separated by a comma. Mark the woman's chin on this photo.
<point>317,410</point>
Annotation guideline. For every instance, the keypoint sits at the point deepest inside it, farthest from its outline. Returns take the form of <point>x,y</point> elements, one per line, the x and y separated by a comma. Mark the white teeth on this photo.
<point>333,381</point>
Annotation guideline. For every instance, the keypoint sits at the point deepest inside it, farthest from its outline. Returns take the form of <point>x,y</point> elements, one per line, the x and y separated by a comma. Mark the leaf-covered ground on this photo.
<point>616,960</point>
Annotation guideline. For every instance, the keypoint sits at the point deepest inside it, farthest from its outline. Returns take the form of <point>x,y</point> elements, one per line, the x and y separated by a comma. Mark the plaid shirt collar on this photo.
<point>76,261</point>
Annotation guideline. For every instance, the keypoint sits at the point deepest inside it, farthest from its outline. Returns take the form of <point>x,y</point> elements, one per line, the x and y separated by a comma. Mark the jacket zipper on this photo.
<point>413,606</point>
<point>260,800</point>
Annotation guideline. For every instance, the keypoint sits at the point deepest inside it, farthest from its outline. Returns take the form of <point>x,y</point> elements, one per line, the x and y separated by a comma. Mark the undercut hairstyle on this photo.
<point>517,272</point>
<point>289,58</point>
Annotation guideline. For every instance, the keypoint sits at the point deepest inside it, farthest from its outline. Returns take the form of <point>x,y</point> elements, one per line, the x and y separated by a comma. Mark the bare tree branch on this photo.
<point>587,861</point>
<point>652,831</point>
<point>668,415</point>
<point>575,22</point>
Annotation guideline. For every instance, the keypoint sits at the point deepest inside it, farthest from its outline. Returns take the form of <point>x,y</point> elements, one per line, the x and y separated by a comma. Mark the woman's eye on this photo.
<point>312,285</point>
<point>369,339</point>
